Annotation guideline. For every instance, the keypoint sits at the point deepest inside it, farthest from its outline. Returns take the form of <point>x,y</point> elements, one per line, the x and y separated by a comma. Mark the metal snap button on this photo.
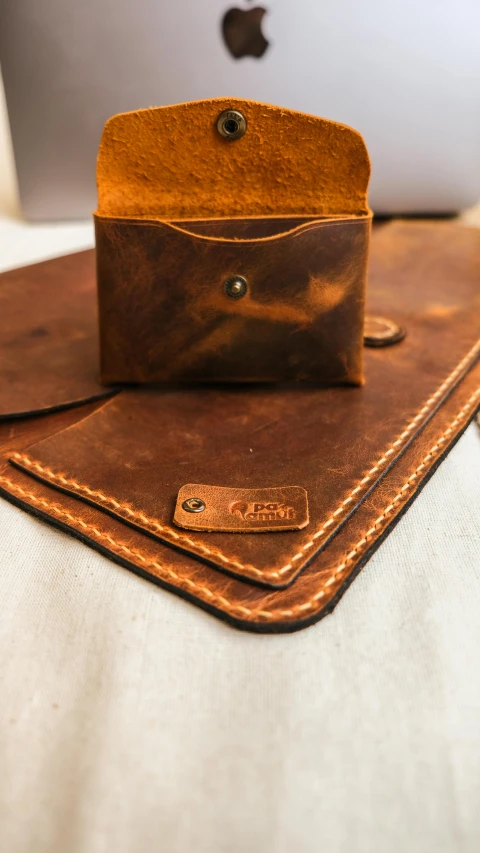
<point>381,332</point>
<point>235,287</point>
<point>193,505</point>
<point>231,124</point>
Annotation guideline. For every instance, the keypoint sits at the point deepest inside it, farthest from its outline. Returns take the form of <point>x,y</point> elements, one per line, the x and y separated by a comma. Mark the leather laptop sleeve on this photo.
<point>261,503</point>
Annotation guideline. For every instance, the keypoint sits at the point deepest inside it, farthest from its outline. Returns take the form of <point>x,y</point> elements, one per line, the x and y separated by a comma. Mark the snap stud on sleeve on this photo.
<point>381,332</point>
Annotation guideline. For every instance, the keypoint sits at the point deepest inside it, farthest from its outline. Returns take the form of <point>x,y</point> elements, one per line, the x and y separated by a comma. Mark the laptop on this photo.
<point>405,74</point>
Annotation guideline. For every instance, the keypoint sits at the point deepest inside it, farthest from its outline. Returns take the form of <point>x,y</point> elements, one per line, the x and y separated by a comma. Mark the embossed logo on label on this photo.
<point>233,509</point>
<point>262,511</point>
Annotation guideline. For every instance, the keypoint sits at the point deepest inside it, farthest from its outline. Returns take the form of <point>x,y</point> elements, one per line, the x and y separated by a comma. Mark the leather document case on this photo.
<point>260,503</point>
<point>231,246</point>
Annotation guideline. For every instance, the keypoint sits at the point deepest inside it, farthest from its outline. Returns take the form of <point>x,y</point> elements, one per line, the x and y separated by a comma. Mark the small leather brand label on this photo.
<point>201,507</point>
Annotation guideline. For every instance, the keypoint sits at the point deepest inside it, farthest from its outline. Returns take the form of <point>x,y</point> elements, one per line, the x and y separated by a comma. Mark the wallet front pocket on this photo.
<point>178,304</point>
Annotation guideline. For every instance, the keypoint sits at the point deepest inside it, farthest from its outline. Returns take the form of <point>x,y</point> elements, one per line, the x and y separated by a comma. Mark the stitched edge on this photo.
<point>383,459</point>
<point>155,524</point>
<point>133,513</point>
<point>269,614</point>
<point>297,231</point>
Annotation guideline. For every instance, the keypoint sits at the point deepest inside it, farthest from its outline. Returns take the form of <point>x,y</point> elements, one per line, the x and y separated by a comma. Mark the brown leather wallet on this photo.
<point>261,504</point>
<point>232,242</point>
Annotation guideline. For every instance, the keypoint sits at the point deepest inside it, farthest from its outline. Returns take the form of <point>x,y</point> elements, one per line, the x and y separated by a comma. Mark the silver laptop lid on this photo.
<point>406,74</point>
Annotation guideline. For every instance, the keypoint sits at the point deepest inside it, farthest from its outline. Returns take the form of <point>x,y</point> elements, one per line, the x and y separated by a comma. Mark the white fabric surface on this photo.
<point>130,721</point>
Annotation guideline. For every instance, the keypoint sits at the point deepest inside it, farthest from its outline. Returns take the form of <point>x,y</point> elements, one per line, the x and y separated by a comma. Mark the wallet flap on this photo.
<point>131,457</point>
<point>172,163</point>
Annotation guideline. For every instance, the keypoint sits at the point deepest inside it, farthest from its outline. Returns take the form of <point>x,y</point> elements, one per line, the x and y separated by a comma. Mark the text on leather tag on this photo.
<point>231,510</point>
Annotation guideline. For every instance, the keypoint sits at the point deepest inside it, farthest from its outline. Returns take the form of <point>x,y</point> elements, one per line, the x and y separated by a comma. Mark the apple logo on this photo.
<point>242,32</point>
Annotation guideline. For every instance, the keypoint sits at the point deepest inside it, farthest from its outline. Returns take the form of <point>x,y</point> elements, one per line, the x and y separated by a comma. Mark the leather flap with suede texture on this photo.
<point>130,459</point>
<point>171,163</point>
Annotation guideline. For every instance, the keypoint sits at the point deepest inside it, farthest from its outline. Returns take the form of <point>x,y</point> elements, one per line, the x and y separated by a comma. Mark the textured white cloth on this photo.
<point>131,721</point>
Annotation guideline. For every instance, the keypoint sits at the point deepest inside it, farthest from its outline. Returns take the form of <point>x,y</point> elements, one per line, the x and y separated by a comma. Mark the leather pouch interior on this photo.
<point>49,336</point>
<point>183,212</point>
<point>360,454</point>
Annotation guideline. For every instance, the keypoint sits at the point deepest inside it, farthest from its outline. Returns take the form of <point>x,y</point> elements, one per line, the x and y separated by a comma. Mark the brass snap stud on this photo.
<point>235,287</point>
<point>381,332</point>
<point>231,124</point>
<point>193,505</point>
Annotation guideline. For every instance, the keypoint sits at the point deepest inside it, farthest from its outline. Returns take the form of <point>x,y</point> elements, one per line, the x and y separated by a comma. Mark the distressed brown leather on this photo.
<point>164,315</point>
<point>361,453</point>
<point>244,605</point>
<point>49,336</point>
<point>17,435</point>
<point>181,210</point>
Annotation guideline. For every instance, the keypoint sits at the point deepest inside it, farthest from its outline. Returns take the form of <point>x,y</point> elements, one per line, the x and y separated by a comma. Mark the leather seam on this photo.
<point>23,459</point>
<point>298,230</point>
<point>299,608</point>
<point>154,523</point>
